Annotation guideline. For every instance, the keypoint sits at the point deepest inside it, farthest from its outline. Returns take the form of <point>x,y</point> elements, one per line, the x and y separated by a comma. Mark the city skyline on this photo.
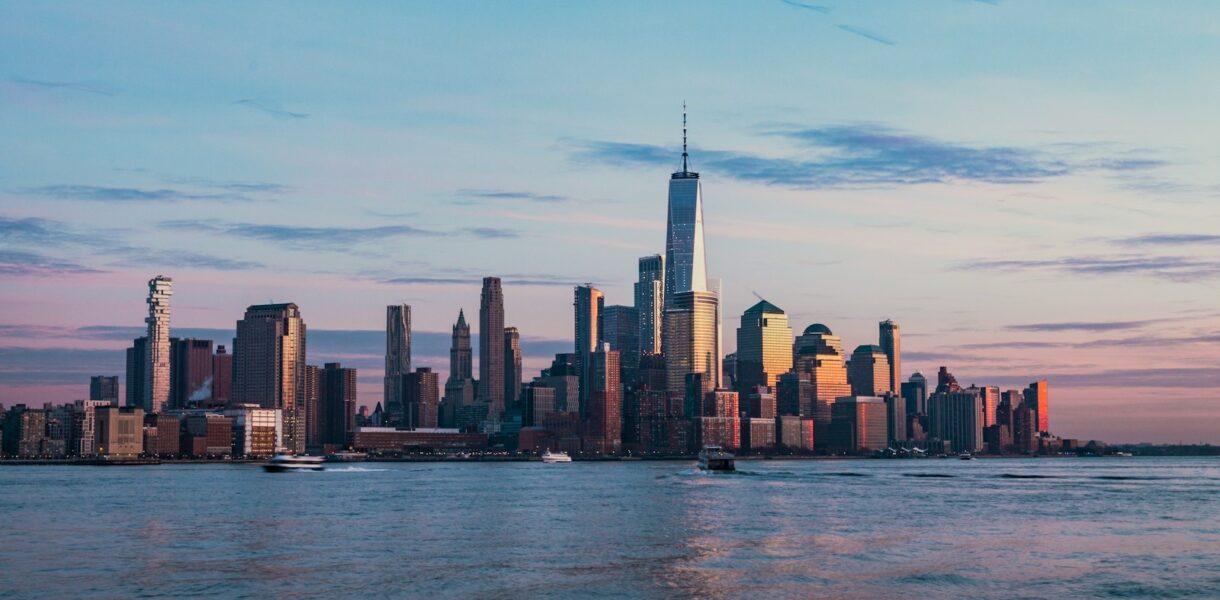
<point>1125,329</point>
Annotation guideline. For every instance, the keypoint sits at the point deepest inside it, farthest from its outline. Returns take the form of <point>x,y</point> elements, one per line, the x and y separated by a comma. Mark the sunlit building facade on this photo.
<point>156,387</point>
<point>891,343</point>
<point>650,302</point>
<point>692,339</point>
<point>764,347</point>
<point>869,371</point>
<point>269,365</point>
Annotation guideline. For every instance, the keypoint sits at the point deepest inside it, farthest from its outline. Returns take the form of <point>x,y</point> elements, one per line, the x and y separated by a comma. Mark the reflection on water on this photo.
<point>851,529</point>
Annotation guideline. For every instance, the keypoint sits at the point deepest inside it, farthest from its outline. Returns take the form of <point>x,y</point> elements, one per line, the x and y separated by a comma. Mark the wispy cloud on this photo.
<point>1169,239</point>
<point>96,193</point>
<point>523,279</point>
<point>27,264</point>
<point>89,87</point>
<point>271,108</point>
<point>868,155</point>
<point>866,34</point>
<point>492,233</point>
<point>819,8</point>
<point>329,237</point>
<point>1172,268</point>
<point>1082,326</point>
<point>471,196</point>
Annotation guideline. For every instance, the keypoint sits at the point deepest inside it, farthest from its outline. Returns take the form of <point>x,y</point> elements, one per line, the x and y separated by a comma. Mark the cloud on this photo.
<point>813,7</point>
<point>272,108</point>
<point>1173,268</point>
<point>1168,239</point>
<point>26,264</point>
<point>492,233</point>
<point>510,195</point>
<point>148,258</point>
<point>1199,377</point>
<point>866,34</point>
<point>126,194</point>
<point>309,237</point>
<point>1081,326</point>
<point>513,279</point>
<point>75,86</point>
<point>867,155</point>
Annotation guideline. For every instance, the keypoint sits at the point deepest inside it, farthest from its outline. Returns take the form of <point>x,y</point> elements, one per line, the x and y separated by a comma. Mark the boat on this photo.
<point>549,457</point>
<point>346,457</point>
<point>714,458</point>
<point>284,461</point>
<point>966,456</point>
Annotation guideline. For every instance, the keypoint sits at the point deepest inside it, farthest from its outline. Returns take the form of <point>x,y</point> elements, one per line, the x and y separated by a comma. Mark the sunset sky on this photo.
<point>1029,188</point>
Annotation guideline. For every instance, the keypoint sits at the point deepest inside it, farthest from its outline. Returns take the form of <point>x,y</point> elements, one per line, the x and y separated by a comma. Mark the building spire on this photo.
<point>684,155</point>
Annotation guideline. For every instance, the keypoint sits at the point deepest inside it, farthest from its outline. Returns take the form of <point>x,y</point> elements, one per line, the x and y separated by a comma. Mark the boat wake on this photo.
<point>354,470</point>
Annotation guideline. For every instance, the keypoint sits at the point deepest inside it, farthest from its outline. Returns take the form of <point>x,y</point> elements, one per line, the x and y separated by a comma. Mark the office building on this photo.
<point>207,435</point>
<point>650,302</point>
<point>869,371</point>
<point>956,417</point>
<point>106,388</point>
<point>269,366</point>
<point>620,327</point>
<point>512,366</point>
<point>156,358</point>
<point>859,424</point>
<point>337,400</point>
<point>891,344</point>
<point>222,378</point>
<point>397,358</point>
<point>491,347</point>
<point>819,360</point>
<point>685,261</point>
<point>191,373</point>
<point>1037,396</point>
<point>691,340</point>
<point>915,392</point>
<point>764,347</point>
<point>587,305</point>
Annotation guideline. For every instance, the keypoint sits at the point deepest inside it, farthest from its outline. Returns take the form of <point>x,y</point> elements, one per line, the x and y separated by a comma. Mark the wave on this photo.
<point>355,470</point>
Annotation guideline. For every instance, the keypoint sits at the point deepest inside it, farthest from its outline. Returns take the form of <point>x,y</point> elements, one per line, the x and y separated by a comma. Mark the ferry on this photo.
<point>283,461</point>
<point>714,458</point>
<point>551,458</point>
<point>966,456</point>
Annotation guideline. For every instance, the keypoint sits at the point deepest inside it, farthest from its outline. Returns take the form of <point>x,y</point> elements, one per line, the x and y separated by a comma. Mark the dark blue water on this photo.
<point>1011,528</point>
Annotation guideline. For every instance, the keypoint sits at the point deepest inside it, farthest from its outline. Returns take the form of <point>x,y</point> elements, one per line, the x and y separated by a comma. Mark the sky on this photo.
<point>1028,188</point>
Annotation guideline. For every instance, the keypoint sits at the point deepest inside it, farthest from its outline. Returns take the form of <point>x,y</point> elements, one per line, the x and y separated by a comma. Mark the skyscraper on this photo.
<point>650,302</point>
<point>620,327</point>
<point>685,262</point>
<point>397,358</point>
<point>421,398</point>
<point>891,343</point>
<point>269,365</point>
<point>137,362</point>
<point>869,371</point>
<point>491,347</point>
<point>587,304</point>
<point>222,377</point>
<point>603,414</point>
<point>819,361</point>
<point>460,359</point>
<point>191,373</point>
<point>102,387</point>
<point>1037,397</point>
<point>764,347</point>
<point>337,400</point>
<point>512,366</point>
<point>156,358</point>
<point>691,340</point>
<point>915,392</point>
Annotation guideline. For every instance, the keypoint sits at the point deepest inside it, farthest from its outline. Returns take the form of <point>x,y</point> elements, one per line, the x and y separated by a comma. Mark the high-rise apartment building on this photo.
<point>620,327</point>
<point>269,365</point>
<point>691,340</point>
<point>191,373</point>
<point>512,366</point>
<point>103,387</point>
<point>650,302</point>
<point>891,343</point>
<point>491,347</point>
<point>421,398</point>
<point>957,417</point>
<point>397,358</point>
<point>337,399</point>
<point>764,347</point>
<point>588,304</point>
<point>603,414</point>
<point>156,358</point>
<point>137,362</point>
<point>869,371</point>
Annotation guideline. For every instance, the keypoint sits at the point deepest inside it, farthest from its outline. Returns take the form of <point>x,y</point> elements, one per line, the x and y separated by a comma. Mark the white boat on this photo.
<point>714,458</point>
<point>965,456</point>
<point>283,462</point>
<point>555,457</point>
